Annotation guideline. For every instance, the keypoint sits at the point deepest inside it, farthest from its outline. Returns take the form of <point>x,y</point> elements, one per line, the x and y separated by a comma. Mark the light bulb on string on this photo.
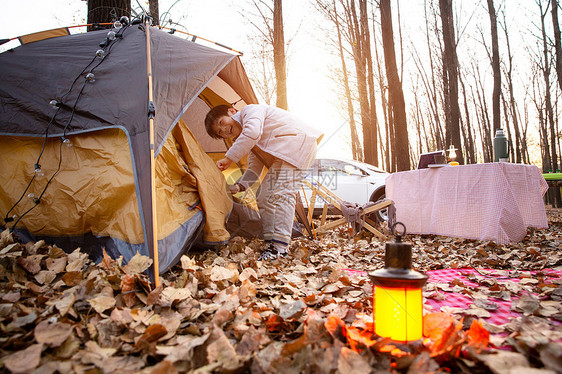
<point>111,35</point>
<point>100,53</point>
<point>90,77</point>
<point>66,141</point>
<point>54,103</point>
<point>117,25</point>
<point>124,20</point>
<point>38,171</point>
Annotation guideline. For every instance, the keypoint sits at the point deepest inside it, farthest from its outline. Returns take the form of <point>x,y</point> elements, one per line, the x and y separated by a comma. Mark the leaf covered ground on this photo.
<point>224,311</point>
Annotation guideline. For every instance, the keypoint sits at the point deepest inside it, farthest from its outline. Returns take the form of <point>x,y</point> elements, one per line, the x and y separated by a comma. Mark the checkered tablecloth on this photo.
<point>492,201</point>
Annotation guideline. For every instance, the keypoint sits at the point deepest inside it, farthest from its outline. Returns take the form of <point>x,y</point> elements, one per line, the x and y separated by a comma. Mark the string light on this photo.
<point>66,141</point>
<point>120,26</point>
<point>55,104</point>
<point>117,25</point>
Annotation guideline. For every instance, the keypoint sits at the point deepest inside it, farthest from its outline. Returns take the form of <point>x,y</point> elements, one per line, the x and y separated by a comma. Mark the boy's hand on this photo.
<point>224,163</point>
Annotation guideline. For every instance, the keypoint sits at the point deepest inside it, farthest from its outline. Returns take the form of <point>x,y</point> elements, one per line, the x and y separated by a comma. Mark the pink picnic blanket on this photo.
<point>457,300</point>
<point>454,299</point>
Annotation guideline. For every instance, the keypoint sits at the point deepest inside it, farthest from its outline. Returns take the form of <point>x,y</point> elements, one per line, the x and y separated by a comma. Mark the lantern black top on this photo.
<point>397,270</point>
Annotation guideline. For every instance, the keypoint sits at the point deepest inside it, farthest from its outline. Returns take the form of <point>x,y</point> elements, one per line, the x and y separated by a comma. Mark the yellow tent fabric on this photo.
<point>95,191</point>
<point>211,184</point>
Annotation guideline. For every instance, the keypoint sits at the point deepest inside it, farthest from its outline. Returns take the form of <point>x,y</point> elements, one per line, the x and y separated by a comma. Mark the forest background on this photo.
<point>385,80</point>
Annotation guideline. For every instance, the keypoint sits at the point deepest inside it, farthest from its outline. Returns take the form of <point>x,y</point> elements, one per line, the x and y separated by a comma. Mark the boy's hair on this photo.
<point>212,118</point>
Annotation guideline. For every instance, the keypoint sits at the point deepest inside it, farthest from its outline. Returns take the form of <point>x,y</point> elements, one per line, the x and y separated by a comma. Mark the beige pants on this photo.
<point>276,200</point>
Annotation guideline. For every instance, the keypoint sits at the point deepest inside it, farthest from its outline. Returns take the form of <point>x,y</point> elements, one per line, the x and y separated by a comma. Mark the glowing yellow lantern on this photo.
<point>397,294</point>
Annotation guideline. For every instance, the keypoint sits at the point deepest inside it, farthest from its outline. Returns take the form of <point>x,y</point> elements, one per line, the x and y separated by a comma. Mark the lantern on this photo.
<point>397,294</point>
<point>452,155</point>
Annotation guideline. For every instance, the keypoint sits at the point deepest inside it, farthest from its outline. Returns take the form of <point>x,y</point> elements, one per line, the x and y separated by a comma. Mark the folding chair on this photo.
<point>360,219</point>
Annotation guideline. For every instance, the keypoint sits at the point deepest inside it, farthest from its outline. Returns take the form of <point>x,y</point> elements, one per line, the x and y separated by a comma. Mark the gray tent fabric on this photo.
<point>56,69</point>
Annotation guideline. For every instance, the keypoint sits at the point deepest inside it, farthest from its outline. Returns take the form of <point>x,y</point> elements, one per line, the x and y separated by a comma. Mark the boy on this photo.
<point>278,140</point>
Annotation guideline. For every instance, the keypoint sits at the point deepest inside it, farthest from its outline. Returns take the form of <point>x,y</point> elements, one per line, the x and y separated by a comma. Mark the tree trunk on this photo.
<point>279,54</point>
<point>450,74</point>
<point>396,96</point>
<point>557,46</point>
<point>356,150</point>
<point>371,148</point>
<point>495,67</point>
<point>548,101</point>
<point>153,10</point>
<point>104,11</point>
<point>386,149</point>
<point>469,136</point>
<point>512,104</point>
<point>356,40</point>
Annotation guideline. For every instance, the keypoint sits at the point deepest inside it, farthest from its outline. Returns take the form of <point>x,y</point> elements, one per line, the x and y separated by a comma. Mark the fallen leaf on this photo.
<point>52,334</point>
<point>128,289</point>
<point>478,336</point>
<point>31,264</point>
<point>526,304</point>
<point>289,310</point>
<point>350,362</point>
<point>24,361</point>
<point>219,273</point>
<point>102,303</point>
<point>76,261</point>
<point>502,362</point>
<point>151,334</point>
<point>72,278</point>
<point>56,265</point>
<point>163,367</point>
<point>137,264</point>
<point>171,293</point>
<point>45,276</point>
<point>64,304</point>
<point>442,331</point>
<point>221,352</point>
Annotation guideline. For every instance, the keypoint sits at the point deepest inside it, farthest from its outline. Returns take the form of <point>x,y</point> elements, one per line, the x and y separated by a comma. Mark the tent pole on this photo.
<point>152,162</point>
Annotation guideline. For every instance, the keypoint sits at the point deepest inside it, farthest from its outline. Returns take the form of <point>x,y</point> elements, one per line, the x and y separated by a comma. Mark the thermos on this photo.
<point>501,147</point>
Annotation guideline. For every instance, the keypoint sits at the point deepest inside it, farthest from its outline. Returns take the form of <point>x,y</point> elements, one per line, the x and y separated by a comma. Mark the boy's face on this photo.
<point>226,127</point>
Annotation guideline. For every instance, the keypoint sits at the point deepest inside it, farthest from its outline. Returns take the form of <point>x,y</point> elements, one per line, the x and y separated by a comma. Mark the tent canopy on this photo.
<point>111,92</point>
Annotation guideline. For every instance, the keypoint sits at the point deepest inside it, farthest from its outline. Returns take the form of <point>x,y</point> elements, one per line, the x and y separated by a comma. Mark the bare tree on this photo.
<point>104,11</point>
<point>153,10</point>
<point>495,66</point>
<point>279,54</point>
<point>268,23</point>
<point>557,42</point>
<point>450,77</point>
<point>395,89</point>
<point>519,140</point>
<point>337,17</point>
<point>371,151</point>
<point>548,101</point>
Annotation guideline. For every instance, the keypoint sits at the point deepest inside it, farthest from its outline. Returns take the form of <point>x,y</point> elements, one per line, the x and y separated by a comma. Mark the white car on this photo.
<point>352,181</point>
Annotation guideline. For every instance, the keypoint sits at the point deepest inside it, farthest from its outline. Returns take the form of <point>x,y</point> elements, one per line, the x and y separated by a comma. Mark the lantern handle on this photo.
<point>395,232</point>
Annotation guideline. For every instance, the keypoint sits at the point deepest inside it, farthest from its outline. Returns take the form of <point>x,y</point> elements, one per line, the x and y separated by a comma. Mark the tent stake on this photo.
<point>152,163</point>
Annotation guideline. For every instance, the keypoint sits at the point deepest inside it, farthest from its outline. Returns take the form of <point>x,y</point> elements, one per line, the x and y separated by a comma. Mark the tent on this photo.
<point>93,92</point>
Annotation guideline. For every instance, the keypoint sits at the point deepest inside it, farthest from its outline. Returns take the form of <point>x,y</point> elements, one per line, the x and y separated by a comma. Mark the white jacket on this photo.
<point>276,132</point>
